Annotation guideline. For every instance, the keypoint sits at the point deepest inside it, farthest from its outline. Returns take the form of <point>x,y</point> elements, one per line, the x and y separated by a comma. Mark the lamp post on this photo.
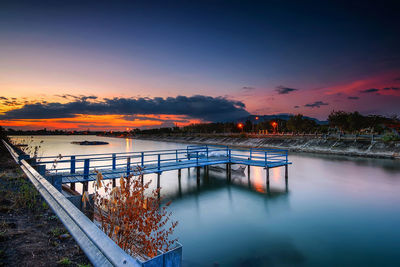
<point>253,124</point>
<point>275,125</point>
<point>240,126</point>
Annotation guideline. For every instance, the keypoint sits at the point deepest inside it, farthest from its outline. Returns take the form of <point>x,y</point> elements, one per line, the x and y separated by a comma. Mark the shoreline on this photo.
<point>376,149</point>
<point>32,235</point>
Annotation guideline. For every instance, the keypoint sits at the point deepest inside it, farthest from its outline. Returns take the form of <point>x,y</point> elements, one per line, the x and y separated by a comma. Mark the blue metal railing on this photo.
<point>160,160</point>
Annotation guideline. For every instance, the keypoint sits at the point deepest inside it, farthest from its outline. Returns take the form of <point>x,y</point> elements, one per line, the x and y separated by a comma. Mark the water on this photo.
<point>334,211</point>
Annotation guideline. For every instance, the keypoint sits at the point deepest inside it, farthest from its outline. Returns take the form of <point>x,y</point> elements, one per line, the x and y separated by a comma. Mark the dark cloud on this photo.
<point>353,97</point>
<point>198,106</point>
<point>397,79</point>
<point>3,98</point>
<point>80,97</point>
<point>11,103</point>
<point>136,117</point>
<point>248,88</point>
<point>285,90</point>
<point>316,104</point>
<point>296,106</point>
<point>392,88</point>
<point>367,91</point>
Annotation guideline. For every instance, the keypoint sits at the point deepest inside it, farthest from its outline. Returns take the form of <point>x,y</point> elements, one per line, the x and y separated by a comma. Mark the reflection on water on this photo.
<point>334,211</point>
<point>215,181</point>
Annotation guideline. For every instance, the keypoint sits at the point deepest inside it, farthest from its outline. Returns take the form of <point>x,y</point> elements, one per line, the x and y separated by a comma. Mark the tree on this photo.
<point>338,119</point>
<point>133,217</point>
<point>298,123</point>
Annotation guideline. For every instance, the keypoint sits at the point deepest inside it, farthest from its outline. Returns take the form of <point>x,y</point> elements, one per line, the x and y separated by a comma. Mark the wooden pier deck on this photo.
<point>73,169</point>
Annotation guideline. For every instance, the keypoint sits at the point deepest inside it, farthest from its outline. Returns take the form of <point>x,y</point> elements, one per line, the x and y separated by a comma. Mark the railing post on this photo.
<point>197,158</point>
<point>207,152</point>
<point>159,163</point>
<point>229,155</point>
<point>72,171</point>
<point>72,164</point>
<point>250,153</point>
<point>128,166</point>
<point>142,159</point>
<point>114,161</point>
<point>187,153</point>
<point>176,155</point>
<point>86,169</point>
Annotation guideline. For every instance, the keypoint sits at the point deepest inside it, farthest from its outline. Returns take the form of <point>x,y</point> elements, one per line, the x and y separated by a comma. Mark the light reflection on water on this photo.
<point>334,210</point>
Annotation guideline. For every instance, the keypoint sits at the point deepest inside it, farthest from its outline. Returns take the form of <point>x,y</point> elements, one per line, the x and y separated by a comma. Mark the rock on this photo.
<point>64,236</point>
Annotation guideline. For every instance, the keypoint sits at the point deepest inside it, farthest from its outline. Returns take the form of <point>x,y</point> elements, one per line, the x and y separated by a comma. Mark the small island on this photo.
<point>89,143</point>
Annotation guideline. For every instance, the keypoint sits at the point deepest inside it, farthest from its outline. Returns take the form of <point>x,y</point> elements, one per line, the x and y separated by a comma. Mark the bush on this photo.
<point>133,217</point>
<point>391,137</point>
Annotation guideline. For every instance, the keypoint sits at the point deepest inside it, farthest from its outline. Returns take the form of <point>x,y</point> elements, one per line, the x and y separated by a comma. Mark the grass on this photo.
<point>65,262</point>
<point>28,195</point>
<point>56,232</point>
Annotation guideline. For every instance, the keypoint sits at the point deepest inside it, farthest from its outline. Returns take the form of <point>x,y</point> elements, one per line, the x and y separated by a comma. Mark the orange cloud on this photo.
<point>99,122</point>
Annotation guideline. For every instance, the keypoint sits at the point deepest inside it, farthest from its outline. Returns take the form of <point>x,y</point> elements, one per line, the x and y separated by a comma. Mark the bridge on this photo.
<point>71,169</point>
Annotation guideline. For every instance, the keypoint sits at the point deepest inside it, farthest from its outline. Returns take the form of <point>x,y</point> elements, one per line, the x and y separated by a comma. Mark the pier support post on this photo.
<point>248,171</point>
<point>72,186</point>
<point>267,174</point>
<point>286,172</point>
<point>114,184</point>
<point>286,185</point>
<point>158,184</point>
<point>179,183</point>
<point>228,172</point>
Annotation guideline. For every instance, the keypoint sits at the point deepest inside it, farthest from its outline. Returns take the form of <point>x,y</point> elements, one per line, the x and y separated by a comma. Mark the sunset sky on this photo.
<point>112,65</point>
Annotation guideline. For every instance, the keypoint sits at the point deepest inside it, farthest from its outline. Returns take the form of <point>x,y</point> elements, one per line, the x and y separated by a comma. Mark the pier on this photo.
<point>71,169</point>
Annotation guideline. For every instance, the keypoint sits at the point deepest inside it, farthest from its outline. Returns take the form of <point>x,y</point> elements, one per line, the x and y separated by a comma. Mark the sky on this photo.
<point>109,65</point>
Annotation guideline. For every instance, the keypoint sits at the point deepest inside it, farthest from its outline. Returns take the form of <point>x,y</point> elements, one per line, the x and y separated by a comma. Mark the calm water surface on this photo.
<point>335,211</point>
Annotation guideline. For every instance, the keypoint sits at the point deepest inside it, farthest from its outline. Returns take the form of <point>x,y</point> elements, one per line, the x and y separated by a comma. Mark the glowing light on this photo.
<point>240,125</point>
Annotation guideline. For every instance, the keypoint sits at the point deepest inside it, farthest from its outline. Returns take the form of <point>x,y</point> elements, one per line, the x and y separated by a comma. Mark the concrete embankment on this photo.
<point>363,148</point>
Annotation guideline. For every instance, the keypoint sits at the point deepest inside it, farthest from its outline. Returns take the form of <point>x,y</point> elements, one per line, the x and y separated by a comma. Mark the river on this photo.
<point>334,211</point>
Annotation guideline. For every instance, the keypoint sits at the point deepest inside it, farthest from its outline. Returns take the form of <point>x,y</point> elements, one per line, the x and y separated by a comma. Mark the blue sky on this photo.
<point>240,50</point>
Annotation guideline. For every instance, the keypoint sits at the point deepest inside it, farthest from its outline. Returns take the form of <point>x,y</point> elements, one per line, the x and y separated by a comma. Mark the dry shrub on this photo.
<point>132,216</point>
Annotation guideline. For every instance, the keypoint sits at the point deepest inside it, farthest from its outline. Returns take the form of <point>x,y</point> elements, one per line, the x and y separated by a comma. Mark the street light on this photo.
<point>275,125</point>
<point>240,126</point>
<point>254,124</point>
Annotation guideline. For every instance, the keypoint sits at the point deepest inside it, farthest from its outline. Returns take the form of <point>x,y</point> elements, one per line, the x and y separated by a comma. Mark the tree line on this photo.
<point>338,121</point>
